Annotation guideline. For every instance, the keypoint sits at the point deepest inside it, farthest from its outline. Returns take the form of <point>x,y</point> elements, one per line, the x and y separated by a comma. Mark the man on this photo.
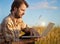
<point>13,23</point>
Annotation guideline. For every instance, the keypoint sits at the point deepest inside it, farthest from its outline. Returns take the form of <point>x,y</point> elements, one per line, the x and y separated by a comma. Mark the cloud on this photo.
<point>53,7</point>
<point>39,5</point>
<point>44,5</point>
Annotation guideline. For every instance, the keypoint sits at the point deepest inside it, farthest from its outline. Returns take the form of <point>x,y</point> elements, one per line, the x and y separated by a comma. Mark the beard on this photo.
<point>17,15</point>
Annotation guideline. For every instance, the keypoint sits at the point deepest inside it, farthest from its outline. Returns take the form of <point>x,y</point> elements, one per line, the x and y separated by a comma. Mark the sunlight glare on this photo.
<point>43,24</point>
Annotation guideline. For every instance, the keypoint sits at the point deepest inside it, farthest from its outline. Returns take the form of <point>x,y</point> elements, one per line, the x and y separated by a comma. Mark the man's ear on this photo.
<point>15,9</point>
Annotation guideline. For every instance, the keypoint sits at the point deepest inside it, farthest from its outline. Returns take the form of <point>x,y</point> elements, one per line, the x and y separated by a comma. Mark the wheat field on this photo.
<point>53,37</point>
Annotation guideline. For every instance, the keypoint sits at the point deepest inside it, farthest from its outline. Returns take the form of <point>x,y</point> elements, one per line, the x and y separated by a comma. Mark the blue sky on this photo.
<point>40,12</point>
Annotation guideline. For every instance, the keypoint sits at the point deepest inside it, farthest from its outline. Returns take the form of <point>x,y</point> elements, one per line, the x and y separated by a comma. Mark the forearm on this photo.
<point>26,29</point>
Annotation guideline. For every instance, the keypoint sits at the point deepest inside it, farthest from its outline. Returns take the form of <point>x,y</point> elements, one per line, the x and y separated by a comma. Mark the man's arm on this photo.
<point>32,31</point>
<point>6,27</point>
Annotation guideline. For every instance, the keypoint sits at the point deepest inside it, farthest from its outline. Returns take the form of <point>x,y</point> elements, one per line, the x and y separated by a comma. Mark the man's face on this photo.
<point>20,11</point>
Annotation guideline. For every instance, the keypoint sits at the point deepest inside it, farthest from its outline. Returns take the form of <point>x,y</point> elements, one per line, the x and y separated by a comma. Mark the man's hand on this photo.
<point>37,39</point>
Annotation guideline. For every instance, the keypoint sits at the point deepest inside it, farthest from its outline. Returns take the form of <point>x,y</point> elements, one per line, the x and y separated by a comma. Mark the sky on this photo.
<point>39,13</point>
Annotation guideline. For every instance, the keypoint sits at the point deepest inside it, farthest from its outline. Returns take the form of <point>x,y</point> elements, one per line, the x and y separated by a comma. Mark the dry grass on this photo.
<point>53,36</point>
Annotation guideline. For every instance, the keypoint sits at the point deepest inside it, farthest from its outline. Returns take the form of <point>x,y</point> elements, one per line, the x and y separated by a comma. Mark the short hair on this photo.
<point>17,4</point>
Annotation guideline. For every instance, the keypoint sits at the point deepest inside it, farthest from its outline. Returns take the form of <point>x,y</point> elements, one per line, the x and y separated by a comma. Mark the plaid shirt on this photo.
<point>11,28</point>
